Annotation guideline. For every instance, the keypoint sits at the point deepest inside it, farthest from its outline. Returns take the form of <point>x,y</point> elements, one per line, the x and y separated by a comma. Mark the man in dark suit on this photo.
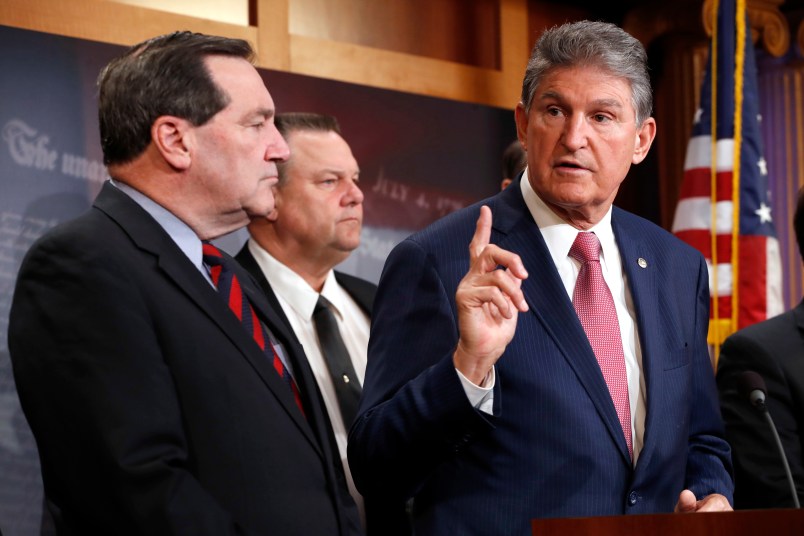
<point>292,253</point>
<point>154,410</point>
<point>490,395</point>
<point>775,350</point>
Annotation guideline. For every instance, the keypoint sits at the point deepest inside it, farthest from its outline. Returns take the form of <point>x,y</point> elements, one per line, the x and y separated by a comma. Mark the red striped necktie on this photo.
<point>226,281</point>
<point>595,307</point>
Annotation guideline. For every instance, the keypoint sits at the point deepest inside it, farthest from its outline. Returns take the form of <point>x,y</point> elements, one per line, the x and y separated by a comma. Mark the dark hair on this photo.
<point>588,43</point>
<point>514,160</point>
<point>289,122</point>
<point>165,75</point>
<point>798,222</point>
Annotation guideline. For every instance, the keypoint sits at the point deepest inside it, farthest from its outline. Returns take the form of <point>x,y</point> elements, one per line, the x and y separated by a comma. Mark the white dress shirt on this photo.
<point>559,237</point>
<point>298,300</point>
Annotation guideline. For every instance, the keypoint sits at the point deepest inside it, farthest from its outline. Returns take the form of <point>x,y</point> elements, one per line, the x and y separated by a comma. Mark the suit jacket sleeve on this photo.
<point>414,413</point>
<point>760,480</point>
<point>709,468</point>
<point>91,372</point>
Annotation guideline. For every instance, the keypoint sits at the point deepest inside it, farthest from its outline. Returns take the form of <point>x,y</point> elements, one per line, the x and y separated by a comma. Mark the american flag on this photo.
<point>725,154</point>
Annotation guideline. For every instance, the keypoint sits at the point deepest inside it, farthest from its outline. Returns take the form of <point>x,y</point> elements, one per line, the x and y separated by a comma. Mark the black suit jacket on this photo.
<point>775,350</point>
<point>384,517</point>
<point>153,409</point>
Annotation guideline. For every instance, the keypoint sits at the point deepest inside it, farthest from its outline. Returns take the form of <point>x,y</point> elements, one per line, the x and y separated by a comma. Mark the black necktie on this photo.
<point>347,386</point>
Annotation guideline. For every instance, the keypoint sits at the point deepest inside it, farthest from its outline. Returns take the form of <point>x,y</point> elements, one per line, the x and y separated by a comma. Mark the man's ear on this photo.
<point>643,140</point>
<point>173,138</point>
<point>521,119</point>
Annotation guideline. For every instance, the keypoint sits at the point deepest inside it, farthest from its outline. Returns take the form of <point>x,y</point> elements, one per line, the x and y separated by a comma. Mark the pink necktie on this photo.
<point>595,307</point>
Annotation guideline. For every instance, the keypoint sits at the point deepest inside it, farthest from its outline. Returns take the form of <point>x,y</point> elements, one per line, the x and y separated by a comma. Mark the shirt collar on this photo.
<point>336,294</point>
<point>301,297</point>
<point>184,237</point>
<point>560,235</point>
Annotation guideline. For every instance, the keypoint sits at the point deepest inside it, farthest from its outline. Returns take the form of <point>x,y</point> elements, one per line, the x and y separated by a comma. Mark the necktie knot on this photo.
<point>321,304</point>
<point>212,255</point>
<point>221,274</point>
<point>585,248</point>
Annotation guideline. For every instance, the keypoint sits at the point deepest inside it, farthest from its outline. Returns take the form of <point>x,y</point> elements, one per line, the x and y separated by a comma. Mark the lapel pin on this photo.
<point>642,262</point>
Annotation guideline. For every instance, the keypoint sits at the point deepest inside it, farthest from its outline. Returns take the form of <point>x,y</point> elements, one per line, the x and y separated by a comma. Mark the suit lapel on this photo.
<point>151,238</point>
<point>279,321</point>
<point>798,313</point>
<point>302,375</point>
<point>267,302</point>
<point>549,303</point>
<point>639,265</point>
<point>795,361</point>
<point>361,291</point>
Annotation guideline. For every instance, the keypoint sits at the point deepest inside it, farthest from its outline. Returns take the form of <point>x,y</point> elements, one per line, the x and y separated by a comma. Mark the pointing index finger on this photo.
<point>482,233</point>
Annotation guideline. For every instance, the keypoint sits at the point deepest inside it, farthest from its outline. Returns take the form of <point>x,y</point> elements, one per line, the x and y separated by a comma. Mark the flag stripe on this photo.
<point>699,153</point>
<point>698,183</point>
<point>695,213</point>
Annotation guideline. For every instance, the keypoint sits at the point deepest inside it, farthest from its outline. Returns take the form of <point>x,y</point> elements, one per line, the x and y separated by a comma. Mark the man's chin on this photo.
<point>260,211</point>
<point>348,246</point>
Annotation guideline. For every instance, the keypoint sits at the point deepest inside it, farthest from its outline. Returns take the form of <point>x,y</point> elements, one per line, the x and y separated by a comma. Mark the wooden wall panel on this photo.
<point>108,22</point>
<point>451,30</point>
<point>483,64</point>
<point>544,15</point>
<point>231,11</point>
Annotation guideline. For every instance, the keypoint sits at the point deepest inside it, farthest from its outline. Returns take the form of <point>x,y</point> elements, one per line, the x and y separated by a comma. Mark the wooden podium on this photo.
<point>740,523</point>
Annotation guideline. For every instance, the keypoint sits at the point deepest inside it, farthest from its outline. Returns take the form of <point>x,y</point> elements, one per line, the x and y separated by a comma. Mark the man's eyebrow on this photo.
<point>608,103</point>
<point>264,113</point>
<point>551,95</point>
<point>338,170</point>
<point>611,103</point>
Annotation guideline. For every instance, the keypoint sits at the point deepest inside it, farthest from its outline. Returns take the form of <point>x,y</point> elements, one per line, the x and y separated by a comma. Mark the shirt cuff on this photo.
<point>480,396</point>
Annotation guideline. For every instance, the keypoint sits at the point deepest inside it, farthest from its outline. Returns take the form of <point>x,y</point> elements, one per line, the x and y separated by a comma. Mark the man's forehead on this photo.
<point>598,86</point>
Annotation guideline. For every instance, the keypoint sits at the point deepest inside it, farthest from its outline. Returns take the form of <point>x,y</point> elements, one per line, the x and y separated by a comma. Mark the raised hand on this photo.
<point>488,300</point>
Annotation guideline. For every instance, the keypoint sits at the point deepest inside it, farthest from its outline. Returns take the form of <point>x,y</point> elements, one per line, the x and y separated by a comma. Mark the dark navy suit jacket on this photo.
<point>553,446</point>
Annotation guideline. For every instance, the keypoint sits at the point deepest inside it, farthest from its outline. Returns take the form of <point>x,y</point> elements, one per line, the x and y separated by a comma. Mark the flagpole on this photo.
<point>739,66</point>
<point>715,322</point>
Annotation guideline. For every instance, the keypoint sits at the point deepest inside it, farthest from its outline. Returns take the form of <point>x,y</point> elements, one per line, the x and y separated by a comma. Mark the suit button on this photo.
<point>632,498</point>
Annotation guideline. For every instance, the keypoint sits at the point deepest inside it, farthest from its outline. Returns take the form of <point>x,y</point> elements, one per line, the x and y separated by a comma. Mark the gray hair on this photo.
<point>589,43</point>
